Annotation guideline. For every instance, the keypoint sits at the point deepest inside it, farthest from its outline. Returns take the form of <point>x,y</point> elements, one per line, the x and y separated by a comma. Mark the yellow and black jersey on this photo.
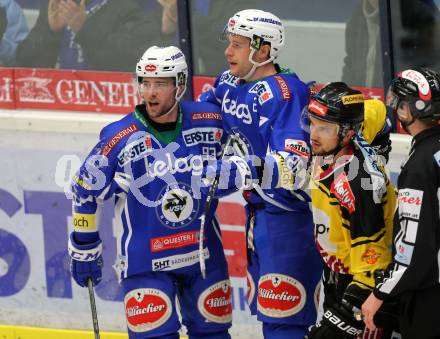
<point>353,223</point>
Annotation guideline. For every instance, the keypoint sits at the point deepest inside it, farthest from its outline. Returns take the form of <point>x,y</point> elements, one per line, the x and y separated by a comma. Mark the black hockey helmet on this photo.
<point>338,103</point>
<point>420,88</point>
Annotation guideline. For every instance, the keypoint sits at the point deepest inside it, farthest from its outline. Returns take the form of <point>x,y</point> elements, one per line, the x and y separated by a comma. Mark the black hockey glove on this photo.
<point>337,323</point>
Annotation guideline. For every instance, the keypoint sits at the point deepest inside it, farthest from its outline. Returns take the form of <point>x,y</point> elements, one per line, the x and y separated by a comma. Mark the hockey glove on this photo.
<point>337,322</point>
<point>85,261</point>
<point>234,173</point>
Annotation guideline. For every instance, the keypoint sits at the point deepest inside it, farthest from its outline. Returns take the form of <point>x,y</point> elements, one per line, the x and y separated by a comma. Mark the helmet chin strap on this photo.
<point>255,65</point>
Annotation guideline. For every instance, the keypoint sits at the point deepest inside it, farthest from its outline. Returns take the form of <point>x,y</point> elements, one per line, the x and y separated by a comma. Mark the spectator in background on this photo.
<point>363,60</point>
<point>13,29</point>
<point>209,17</point>
<point>417,44</point>
<point>106,35</point>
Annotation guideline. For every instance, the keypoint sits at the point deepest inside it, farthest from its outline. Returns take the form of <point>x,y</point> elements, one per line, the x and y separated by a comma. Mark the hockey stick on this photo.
<point>206,208</point>
<point>93,307</point>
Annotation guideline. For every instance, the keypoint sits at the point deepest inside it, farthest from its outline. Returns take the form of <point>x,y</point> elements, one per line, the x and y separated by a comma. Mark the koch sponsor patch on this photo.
<point>84,222</point>
<point>299,147</point>
<point>146,309</point>
<point>285,91</point>
<point>280,296</point>
<point>263,91</point>
<point>215,302</point>
<point>177,261</point>
<point>135,150</point>
<point>410,203</point>
<point>115,139</point>
<point>202,135</point>
<point>206,116</point>
<point>342,191</point>
<point>177,240</point>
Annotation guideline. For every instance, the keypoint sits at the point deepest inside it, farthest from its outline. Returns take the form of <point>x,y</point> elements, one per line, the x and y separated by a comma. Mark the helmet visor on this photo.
<point>309,122</point>
<point>392,100</point>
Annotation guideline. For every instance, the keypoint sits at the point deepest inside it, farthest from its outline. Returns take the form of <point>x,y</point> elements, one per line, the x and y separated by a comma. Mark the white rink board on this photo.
<point>35,285</point>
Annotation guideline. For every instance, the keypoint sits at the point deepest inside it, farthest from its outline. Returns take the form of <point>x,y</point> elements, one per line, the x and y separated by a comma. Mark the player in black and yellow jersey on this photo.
<point>353,204</point>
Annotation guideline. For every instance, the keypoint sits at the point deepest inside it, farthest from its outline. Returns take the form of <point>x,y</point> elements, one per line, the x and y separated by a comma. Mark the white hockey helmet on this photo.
<point>260,27</point>
<point>163,62</point>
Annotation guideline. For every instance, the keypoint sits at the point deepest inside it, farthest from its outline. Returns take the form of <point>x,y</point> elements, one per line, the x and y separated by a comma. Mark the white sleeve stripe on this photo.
<point>390,282</point>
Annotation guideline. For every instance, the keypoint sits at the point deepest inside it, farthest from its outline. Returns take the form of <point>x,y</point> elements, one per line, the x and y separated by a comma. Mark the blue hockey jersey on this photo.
<point>265,115</point>
<point>158,202</point>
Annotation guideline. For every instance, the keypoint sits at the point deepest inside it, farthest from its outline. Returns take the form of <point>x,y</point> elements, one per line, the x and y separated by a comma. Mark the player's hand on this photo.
<point>369,309</point>
<point>85,261</point>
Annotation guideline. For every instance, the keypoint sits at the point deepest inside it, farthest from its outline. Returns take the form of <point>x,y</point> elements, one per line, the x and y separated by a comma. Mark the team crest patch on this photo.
<point>146,309</point>
<point>177,208</point>
<point>215,303</point>
<point>280,296</point>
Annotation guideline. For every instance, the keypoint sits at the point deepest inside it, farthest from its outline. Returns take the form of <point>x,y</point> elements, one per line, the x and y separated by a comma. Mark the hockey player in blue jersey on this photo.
<point>151,161</point>
<point>261,106</point>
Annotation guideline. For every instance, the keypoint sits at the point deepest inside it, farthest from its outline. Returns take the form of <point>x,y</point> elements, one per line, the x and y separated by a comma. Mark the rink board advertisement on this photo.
<point>36,288</point>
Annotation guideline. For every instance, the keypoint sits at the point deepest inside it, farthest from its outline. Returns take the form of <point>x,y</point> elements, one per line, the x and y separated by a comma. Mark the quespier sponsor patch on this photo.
<point>177,208</point>
<point>202,135</point>
<point>146,309</point>
<point>177,240</point>
<point>410,203</point>
<point>262,89</point>
<point>135,150</point>
<point>280,296</point>
<point>215,302</point>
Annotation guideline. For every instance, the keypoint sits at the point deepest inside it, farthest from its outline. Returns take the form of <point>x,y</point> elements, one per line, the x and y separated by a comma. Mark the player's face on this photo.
<point>158,94</point>
<point>323,136</point>
<point>237,55</point>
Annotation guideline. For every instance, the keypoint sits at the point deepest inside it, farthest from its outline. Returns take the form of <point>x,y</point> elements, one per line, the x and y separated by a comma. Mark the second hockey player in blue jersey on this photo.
<point>261,106</point>
<point>151,161</point>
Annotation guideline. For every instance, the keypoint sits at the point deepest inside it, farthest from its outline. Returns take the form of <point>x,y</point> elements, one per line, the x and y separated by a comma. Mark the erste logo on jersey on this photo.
<point>215,303</point>
<point>135,150</point>
<point>177,240</point>
<point>146,309</point>
<point>342,191</point>
<point>280,296</point>
<point>228,78</point>
<point>299,147</point>
<point>202,135</point>
<point>410,203</point>
<point>177,208</point>
<point>241,111</point>
<point>262,89</point>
